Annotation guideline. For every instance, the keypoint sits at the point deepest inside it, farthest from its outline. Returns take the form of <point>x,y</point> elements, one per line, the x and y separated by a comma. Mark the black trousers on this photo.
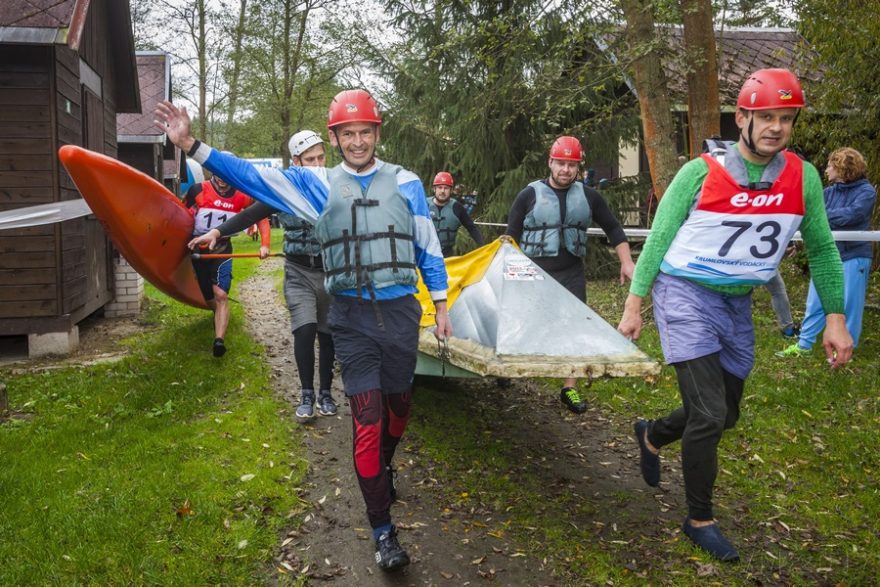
<point>710,405</point>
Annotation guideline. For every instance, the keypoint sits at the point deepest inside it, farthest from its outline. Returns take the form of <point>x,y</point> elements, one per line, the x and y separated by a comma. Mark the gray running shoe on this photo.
<point>306,409</point>
<point>326,405</point>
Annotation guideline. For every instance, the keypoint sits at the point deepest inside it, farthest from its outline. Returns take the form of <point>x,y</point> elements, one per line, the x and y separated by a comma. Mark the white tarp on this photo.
<point>43,214</point>
<point>519,322</point>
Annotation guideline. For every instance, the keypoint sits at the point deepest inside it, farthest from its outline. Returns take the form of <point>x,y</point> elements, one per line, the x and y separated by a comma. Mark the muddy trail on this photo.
<point>590,458</point>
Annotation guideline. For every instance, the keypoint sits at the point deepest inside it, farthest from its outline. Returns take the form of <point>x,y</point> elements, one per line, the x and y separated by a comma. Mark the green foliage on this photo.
<point>844,105</point>
<point>482,88</point>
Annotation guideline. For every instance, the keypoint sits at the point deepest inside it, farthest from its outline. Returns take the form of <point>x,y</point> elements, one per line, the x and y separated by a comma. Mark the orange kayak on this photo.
<point>145,221</point>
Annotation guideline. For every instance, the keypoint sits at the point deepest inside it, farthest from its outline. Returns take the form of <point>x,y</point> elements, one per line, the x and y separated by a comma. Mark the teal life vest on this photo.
<point>544,224</point>
<point>299,237</point>
<point>446,222</point>
<point>366,238</point>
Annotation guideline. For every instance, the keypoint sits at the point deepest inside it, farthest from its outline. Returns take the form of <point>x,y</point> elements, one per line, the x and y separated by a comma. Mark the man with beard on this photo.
<point>549,219</point>
<point>449,214</point>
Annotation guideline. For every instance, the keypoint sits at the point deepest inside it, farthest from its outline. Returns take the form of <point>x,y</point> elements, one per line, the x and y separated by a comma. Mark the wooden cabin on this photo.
<point>141,144</point>
<point>67,67</point>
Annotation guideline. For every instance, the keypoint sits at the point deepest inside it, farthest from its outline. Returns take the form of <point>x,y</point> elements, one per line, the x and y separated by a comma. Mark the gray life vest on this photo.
<point>543,224</point>
<point>299,237</point>
<point>366,238</point>
<point>445,221</point>
<point>726,153</point>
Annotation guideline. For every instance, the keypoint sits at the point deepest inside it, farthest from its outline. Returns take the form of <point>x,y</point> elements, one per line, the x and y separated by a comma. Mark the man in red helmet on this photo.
<point>549,219</point>
<point>211,203</point>
<point>449,214</point>
<point>371,219</point>
<point>721,228</point>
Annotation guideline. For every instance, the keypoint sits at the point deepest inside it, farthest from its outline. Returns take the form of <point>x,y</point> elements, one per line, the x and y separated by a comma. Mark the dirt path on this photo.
<point>590,456</point>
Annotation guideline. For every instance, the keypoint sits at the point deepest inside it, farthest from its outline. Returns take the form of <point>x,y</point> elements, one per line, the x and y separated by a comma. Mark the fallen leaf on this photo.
<point>184,510</point>
<point>478,561</point>
<point>706,570</point>
<point>247,477</point>
<point>242,544</point>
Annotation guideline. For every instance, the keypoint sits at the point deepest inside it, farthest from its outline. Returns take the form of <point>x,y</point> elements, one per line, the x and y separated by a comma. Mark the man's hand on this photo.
<point>626,271</point>
<point>175,123</point>
<point>837,341</point>
<point>264,252</point>
<point>627,267</point>
<point>631,322</point>
<point>444,326</point>
<point>206,241</point>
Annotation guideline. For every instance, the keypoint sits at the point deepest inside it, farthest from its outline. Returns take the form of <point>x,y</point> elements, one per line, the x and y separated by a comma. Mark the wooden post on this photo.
<point>4,400</point>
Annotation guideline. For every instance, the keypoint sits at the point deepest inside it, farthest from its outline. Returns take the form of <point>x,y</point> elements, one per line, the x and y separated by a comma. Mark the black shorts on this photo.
<point>372,357</point>
<point>573,279</point>
<point>211,272</point>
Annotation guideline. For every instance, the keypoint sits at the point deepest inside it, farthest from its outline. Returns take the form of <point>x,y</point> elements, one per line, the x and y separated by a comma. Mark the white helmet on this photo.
<point>303,141</point>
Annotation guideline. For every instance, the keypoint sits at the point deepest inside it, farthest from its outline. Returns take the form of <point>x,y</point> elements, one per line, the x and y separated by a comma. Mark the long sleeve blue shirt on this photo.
<point>303,191</point>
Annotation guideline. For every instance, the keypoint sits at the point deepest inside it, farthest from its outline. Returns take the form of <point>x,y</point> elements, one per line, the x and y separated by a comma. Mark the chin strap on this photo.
<point>750,144</point>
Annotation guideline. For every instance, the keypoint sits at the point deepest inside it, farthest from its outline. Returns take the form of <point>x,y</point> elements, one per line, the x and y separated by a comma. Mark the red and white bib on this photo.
<point>212,209</point>
<point>736,235</point>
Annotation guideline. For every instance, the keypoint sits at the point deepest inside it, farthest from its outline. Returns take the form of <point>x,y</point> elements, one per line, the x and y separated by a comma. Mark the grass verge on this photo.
<point>797,488</point>
<point>169,467</point>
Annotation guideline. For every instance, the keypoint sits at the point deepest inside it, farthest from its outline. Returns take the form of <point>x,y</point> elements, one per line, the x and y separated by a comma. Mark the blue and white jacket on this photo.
<point>303,191</point>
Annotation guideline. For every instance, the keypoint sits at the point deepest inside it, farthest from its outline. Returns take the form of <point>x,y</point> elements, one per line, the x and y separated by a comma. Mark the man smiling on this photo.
<point>371,219</point>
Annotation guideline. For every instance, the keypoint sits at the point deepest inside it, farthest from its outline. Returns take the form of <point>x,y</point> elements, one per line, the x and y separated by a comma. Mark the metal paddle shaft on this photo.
<point>230,255</point>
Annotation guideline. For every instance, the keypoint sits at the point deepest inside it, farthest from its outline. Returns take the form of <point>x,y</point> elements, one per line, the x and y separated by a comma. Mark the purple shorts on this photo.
<point>695,321</point>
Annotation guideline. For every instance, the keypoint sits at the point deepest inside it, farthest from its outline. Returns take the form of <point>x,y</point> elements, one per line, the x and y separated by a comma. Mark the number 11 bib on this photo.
<point>736,234</point>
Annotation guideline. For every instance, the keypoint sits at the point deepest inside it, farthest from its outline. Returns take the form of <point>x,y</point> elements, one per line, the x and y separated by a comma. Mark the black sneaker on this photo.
<point>390,555</point>
<point>219,347</point>
<point>572,400</point>
<point>392,481</point>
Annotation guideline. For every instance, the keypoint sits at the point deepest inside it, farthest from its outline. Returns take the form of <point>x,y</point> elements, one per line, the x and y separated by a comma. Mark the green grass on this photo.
<point>797,489</point>
<point>168,468</point>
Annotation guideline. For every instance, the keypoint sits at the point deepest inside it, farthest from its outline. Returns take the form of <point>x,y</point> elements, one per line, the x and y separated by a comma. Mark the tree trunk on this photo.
<point>704,108</point>
<point>652,89</point>
<point>236,71</point>
<point>201,44</point>
<point>291,62</point>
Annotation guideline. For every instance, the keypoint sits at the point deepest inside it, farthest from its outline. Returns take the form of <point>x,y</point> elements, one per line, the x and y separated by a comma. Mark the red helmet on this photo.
<point>566,148</point>
<point>353,106</point>
<point>443,178</point>
<point>771,88</point>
